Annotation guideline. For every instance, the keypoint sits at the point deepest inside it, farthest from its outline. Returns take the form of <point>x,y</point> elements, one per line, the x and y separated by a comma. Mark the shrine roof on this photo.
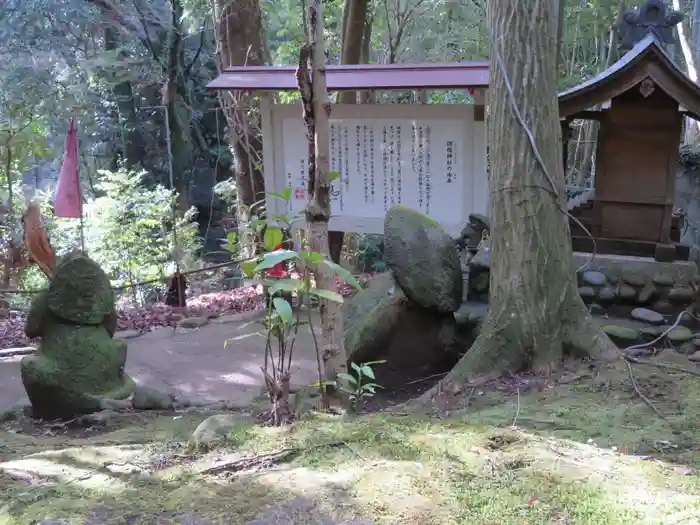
<point>453,75</point>
<point>647,59</point>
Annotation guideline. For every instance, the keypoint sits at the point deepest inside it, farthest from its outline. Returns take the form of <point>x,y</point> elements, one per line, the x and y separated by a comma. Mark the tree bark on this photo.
<point>316,110</point>
<point>134,146</point>
<point>176,100</point>
<point>240,41</point>
<point>536,315</point>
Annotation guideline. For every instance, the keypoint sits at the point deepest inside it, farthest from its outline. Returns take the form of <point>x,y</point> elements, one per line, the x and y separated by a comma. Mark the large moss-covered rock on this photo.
<point>382,323</point>
<point>424,259</point>
<point>78,364</point>
<point>370,316</point>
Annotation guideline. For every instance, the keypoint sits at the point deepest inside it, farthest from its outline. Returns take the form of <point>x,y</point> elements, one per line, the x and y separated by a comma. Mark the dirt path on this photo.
<point>199,363</point>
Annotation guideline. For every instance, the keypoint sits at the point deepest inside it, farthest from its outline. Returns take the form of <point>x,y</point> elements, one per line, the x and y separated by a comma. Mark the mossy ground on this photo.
<point>585,452</point>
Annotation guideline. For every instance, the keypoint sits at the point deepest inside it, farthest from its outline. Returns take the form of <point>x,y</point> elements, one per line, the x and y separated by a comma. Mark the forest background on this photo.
<point>118,65</point>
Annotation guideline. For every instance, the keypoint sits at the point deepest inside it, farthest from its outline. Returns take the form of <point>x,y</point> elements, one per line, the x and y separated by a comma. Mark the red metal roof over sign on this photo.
<point>453,75</point>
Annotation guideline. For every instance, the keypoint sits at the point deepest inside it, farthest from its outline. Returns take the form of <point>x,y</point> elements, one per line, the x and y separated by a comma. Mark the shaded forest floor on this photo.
<point>586,450</point>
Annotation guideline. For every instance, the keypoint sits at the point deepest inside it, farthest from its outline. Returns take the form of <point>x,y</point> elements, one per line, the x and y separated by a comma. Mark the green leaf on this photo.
<point>248,267</point>
<point>356,368</point>
<point>271,259</point>
<point>283,285</point>
<point>312,257</point>
<point>232,238</point>
<point>272,238</point>
<point>285,194</point>
<point>327,294</point>
<point>367,371</point>
<point>333,175</point>
<point>281,218</point>
<point>350,379</point>
<point>344,274</point>
<point>283,309</point>
<point>257,225</point>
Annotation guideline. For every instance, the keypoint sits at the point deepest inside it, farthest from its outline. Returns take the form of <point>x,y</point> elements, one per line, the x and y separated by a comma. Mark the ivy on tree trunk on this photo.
<point>536,315</point>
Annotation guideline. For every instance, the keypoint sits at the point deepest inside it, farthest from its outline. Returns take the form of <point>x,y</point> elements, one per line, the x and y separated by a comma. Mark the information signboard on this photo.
<point>430,158</point>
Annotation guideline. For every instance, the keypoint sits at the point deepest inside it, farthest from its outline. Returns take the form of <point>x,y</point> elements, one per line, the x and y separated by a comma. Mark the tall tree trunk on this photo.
<point>240,41</point>
<point>536,315</point>
<point>559,7</point>
<point>316,110</point>
<point>175,99</point>
<point>134,146</point>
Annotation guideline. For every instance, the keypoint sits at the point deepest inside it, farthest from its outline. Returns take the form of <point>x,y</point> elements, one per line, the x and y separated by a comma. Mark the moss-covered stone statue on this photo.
<point>78,364</point>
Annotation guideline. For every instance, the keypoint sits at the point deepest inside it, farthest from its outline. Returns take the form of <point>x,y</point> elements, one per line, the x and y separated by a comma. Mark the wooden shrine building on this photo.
<point>639,102</point>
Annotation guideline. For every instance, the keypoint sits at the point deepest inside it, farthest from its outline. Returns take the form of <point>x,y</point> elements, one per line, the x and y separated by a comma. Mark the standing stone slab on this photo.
<point>424,259</point>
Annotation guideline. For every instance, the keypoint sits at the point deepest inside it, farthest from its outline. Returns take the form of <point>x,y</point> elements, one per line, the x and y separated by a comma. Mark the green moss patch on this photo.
<point>589,451</point>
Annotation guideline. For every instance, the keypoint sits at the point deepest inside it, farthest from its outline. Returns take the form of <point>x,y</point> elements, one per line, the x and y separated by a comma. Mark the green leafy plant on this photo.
<point>360,384</point>
<point>128,230</point>
<point>281,322</point>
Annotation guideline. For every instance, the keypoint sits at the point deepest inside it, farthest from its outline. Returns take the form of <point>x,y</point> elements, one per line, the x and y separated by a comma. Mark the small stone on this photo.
<point>613,279</point>
<point>662,280</point>
<point>680,334</point>
<point>621,335</point>
<point>606,294</point>
<point>193,322</point>
<point>662,306</point>
<point>647,316</point>
<point>696,342</point>
<point>146,398</point>
<point>592,278</point>
<point>681,295</point>
<point>634,279</point>
<point>647,294</point>
<point>98,419</point>
<point>216,429</point>
<point>587,293</point>
<point>695,357</point>
<point>626,292</point>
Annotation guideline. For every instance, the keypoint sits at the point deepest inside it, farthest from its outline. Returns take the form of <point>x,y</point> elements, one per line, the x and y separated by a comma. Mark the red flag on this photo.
<point>68,199</point>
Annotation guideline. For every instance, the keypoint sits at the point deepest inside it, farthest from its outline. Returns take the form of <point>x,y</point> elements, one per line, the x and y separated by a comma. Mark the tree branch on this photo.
<point>147,40</point>
<point>188,68</point>
<point>113,12</point>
